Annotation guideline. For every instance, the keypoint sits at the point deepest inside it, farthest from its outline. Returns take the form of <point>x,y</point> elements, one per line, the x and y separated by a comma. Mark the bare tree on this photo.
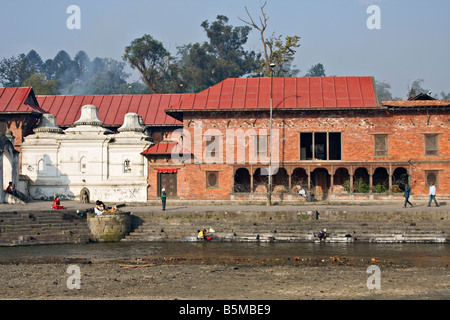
<point>262,28</point>
<point>276,50</point>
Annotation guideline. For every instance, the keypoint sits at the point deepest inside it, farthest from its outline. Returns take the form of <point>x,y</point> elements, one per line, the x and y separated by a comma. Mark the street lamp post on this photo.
<point>269,193</point>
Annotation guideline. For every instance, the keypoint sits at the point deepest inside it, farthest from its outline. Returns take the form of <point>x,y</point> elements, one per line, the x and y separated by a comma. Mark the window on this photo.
<point>212,179</point>
<point>211,146</point>
<point>320,146</point>
<point>381,145</point>
<point>431,145</point>
<point>260,146</point>
<point>40,166</point>
<point>157,136</point>
<point>83,165</point>
<point>431,177</point>
<point>126,166</point>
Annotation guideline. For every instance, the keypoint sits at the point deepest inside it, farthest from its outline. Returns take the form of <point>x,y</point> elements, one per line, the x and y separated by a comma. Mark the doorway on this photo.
<point>169,182</point>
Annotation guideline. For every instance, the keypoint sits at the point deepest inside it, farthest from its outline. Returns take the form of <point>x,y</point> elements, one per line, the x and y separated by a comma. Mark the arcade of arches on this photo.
<point>324,180</point>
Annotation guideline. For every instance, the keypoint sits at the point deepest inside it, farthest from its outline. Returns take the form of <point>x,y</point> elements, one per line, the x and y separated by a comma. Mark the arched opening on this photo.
<point>380,180</point>
<point>85,195</point>
<point>320,180</point>
<point>361,181</point>
<point>242,180</point>
<point>341,181</point>
<point>431,178</point>
<point>260,180</point>
<point>299,179</point>
<point>40,166</point>
<point>280,181</point>
<point>400,178</point>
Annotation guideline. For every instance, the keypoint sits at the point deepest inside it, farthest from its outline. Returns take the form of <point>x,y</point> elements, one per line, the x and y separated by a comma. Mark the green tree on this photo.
<point>196,67</point>
<point>281,53</point>
<point>222,56</point>
<point>35,63</point>
<point>316,70</point>
<point>152,60</point>
<point>65,69</point>
<point>40,85</point>
<point>82,63</point>
<point>14,70</point>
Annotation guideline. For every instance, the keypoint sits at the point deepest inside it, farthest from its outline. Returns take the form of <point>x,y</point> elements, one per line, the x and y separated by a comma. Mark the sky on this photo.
<point>411,42</point>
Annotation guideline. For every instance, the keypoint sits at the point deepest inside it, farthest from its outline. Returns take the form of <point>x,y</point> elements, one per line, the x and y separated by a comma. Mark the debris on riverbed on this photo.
<point>136,265</point>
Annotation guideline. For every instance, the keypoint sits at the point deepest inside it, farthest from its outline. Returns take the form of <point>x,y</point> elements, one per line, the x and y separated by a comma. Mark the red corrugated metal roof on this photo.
<point>163,148</point>
<point>19,99</point>
<point>288,93</point>
<point>112,108</point>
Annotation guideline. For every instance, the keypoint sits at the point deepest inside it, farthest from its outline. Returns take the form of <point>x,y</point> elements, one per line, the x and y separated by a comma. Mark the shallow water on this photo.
<point>419,254</point>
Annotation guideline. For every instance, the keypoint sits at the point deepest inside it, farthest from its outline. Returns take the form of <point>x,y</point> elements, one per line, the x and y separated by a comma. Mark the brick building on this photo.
<point>331,136</point>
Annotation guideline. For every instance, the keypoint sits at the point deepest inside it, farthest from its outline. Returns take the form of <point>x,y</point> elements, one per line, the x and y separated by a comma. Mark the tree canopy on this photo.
<point>316,70</point>
<point>64,75</point>
<point>196,66</point>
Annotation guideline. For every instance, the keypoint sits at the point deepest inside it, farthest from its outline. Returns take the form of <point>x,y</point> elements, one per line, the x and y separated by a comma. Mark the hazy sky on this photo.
<point>413,41</point>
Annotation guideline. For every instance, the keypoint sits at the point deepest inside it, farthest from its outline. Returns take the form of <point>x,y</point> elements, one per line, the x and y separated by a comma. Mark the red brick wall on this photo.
<point>406,144</point>
<point>20,126</point>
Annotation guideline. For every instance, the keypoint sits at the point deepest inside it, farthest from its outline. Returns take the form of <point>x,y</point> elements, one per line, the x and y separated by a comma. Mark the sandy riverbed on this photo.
<point>222,279</point>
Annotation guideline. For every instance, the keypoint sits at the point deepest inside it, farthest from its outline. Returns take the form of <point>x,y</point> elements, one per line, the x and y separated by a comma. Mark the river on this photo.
<point>420,254</point>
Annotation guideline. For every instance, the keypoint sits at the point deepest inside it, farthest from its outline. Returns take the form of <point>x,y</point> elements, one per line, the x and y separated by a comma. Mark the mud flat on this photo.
<point>178,278</point>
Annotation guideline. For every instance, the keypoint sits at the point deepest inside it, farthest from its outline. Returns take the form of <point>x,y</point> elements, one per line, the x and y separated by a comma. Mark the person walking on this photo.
<point>163,198</point>
<point>432,195</point>
<point>406,195</point>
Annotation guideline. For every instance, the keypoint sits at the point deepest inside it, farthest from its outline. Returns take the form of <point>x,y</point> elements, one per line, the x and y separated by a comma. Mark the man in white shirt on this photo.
<point>302,193</point>
<point>432,195</point>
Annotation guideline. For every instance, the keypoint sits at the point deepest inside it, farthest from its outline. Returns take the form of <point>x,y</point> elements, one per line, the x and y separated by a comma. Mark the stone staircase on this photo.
<point>283,227</point>
<point>47,227</point>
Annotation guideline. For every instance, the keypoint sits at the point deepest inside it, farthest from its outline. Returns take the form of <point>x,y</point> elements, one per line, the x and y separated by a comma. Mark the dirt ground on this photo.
<point>160,278</point>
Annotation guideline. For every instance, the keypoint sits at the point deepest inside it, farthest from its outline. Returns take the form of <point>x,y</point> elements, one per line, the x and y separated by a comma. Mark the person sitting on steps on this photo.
<point>57,204</point>
<point>11,189</point>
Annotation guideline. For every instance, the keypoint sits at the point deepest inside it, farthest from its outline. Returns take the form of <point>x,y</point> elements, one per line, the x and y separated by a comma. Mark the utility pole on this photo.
<point>269,189</point>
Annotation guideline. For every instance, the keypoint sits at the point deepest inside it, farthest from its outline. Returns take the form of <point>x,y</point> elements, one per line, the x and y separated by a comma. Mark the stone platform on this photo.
<point>34,223</point>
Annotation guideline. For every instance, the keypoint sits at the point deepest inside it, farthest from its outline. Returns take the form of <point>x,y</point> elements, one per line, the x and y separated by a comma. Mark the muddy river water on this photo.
<point>420,254</point>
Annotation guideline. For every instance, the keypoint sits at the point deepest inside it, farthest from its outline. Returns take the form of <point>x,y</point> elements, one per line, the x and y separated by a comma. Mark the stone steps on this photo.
<point>38,228</point>
<point>287,227</point>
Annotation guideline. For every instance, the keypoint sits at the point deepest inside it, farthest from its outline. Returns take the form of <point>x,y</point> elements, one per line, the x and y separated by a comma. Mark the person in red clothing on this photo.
<point>11,189</point>
<point>57,204</point>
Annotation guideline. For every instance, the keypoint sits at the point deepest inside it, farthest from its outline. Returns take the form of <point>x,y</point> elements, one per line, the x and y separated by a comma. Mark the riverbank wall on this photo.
<point>293,225</point>
<point>379,224</point>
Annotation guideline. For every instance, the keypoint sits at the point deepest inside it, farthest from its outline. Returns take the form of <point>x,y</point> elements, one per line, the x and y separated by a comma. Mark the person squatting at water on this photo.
<point>322,235</point>
<point>203,235</point>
